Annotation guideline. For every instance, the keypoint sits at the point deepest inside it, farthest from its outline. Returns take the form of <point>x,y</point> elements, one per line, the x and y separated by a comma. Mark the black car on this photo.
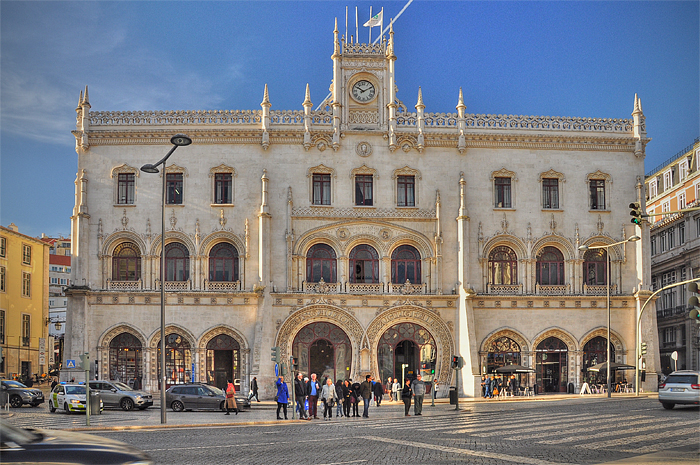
<point>38,446</point>
<point>18,394</point>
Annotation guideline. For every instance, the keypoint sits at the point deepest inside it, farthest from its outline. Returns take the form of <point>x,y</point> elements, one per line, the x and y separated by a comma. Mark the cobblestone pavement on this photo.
<point>590,430</point>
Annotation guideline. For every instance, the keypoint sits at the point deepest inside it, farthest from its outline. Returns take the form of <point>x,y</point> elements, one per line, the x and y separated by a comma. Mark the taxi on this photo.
<point>69,397</point>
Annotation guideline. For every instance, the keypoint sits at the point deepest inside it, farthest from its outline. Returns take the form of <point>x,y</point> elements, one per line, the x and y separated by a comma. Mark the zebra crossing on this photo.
<point>631,432</point>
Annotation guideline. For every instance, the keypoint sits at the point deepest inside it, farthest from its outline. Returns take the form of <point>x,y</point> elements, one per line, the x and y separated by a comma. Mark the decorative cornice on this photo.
<point>362,213</point>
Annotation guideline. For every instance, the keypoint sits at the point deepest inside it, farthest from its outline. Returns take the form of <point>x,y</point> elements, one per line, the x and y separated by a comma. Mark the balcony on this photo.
<point>551,289</point>
<point>599,289</point>
<point>364,288</point>
<point>505,289</point>
<point>323,287</point>
<point>175,285</point>
<point>221,286</point>
<point>124,285</point>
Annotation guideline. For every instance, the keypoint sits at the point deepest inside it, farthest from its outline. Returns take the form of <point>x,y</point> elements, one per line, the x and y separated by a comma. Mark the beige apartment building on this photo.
<point>367,236</point>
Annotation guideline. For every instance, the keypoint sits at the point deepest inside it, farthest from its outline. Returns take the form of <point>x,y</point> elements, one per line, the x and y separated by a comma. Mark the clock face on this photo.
<point>363,91</point>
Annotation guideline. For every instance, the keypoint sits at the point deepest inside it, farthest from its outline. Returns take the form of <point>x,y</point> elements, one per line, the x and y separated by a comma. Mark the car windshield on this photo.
<point>122,387</point>
<point>75,390</point>
<point>13,384</point>
<point>682,379</point>
<point>216,390</point>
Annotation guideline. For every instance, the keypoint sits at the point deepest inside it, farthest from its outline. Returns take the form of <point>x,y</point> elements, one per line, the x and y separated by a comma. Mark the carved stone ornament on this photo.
<point>385,234</point>
<point>363,149</point>
<point>343,233</point>
<point>125,220</point>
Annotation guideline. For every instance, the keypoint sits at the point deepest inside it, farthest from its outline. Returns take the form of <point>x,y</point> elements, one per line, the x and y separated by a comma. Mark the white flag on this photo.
<point>375,20</point>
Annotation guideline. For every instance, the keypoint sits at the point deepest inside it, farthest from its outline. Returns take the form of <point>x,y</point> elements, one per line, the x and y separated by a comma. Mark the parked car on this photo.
<point>18,394</point>
<point>199,397</point>
<point>69,397</point>
<point>680,387</point>
<point>116,394</point>
<point>42,446</point>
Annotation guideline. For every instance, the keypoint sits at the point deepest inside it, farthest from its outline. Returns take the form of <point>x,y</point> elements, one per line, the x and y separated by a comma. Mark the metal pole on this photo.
<point>87,391</point>
<point>457,388</point>
<point>163,411</point>
<point>294,382</point>
<point>607,254</point>
<point>432,404</point>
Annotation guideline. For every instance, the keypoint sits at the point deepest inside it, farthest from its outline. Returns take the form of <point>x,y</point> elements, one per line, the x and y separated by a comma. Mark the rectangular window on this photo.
<point>223,184</point>
<point>697,226</point>
<point>54,280</point>
<point>406,191</point>
<point>3,287</point>
<point>662,243</point>
<point>550,193</point>
<point>26,254</point>
<point>681,234</point>
<point>2,327</point>
<point>668,180</point>
<point>322,189</point>
<point>3,247</point>
<point>681,201</point>
<point>125,188</point>
<point>26,284</point>
<point>653,245</point>
<point>597,188</point>
<point>653,191</point>
<point>671,239</point>
<point>665,207</point>
<point>173,188</point>
<point>683,170</point>
<point>26,330</point>
<point>363,190</point>
<point>697,190</point>
<point>503,197</point>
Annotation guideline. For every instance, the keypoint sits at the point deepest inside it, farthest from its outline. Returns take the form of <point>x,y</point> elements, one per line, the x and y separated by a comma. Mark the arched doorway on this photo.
<point>551,365</point>
<point>323,348</point>
<point>178,360</point>
<point>125,359</point>
<point>594,353</point>
<point>223,361</point>
<point>405,350</point>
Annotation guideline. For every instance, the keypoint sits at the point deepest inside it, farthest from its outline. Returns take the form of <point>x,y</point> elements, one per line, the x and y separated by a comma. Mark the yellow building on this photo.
<point>24,302</point>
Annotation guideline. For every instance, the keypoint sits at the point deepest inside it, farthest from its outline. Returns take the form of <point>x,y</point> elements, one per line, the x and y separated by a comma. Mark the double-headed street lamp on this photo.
<point>607,254</point>
<point>177,140</point>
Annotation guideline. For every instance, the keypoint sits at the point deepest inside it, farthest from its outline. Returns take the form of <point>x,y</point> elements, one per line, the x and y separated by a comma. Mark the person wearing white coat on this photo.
<point>328,397</point>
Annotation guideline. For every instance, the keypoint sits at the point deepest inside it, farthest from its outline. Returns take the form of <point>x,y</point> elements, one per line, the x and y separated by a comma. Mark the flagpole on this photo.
<point>396,17</point>
<point>357,29</point>
<point>370,25</point>
<point>346,24</point>
<point>381,25</point>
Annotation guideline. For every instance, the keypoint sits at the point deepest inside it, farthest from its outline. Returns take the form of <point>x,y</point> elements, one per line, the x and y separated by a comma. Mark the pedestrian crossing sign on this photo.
<point>70,363</point>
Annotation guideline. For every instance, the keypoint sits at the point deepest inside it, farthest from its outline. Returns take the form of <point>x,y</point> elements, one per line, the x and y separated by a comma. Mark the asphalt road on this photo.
<point>590,430</point>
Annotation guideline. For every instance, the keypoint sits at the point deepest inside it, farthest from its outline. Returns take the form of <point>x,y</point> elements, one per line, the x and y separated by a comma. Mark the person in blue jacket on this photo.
<point>282,397</point>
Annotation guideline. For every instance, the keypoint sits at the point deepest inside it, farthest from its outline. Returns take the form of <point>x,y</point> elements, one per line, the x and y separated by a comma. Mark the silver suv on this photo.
<point>116,394</point>
<point>681,387</point>
<point>17,394</point>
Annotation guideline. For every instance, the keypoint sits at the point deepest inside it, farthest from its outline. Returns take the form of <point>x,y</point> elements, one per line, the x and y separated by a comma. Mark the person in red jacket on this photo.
<point>231,398</point>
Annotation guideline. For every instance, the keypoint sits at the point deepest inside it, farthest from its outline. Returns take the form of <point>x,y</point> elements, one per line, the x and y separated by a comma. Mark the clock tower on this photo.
<point>363,85</point>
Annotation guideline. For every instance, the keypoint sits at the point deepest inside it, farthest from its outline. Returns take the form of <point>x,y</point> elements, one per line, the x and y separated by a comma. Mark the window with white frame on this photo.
<point>682,170</point>
<point>3,247</point>
<point>681,201</point>
<point>666,207</point>
<point>697,226</point>
<point>26,254</point>
<point>3,287</point>
<point>671,238</point>
<point>681,233</point>
<point>653,245</point>
<point>697,192</point>
<point>26,329</point>
<point>653,188</point>
<point>26,284</point>
<point>669,336</point>
<point>668,180</point>
<point>2,326</point>
<point>54,280</point>
<point>662,243</point>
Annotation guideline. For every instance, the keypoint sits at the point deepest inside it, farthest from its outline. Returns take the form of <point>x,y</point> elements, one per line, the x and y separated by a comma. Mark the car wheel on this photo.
<point>51,407</point>
<point>16,401</point>
<point>668,405</point>
<point>126,404</point>
<point>177,406</point>
<point>65,407</point>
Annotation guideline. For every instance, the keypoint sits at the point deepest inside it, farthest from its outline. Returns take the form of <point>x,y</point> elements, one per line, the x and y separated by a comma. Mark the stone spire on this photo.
<point>265,120</point>
<point>640,129</point>
<point>307,118</point>
<point>461,123</point>
<point>420,121</point>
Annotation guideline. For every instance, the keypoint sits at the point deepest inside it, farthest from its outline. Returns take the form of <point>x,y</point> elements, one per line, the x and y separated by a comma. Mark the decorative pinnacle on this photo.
<point>80,100</point>
<point>307,98</point>
<point>266,97</point>
<point>420,99</point>
<point>86,100</point>
<point>460,102</point>
<point>637,105</point>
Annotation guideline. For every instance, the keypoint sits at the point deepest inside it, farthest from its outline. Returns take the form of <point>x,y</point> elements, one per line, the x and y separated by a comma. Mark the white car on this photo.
<point>681,387</point>
<point>69,397</point>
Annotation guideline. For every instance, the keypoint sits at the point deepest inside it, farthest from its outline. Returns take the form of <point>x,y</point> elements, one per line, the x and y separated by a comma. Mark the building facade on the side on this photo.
<point>675,254</point>
<point>24,303</point>
<point>59,279</point>
<point>362,237</point>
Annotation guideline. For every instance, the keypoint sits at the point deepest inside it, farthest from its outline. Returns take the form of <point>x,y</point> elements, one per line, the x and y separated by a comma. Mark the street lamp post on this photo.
<point>607,255</point>
<point>177,140</point>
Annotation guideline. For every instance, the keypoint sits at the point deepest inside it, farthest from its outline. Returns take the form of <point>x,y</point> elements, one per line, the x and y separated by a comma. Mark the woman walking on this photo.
<point>282,397</point>
<point>347,395</point>
<point>328,397</point>
<point>231,398</point>
<point>355,398</point>
<point>339,398</point>
<point>406,394</point>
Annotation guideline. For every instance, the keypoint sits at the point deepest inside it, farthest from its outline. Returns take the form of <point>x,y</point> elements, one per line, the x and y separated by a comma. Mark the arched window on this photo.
<point>364,264</point>
<point>126,262</point>
<point>594,352</point>
<point>178,360</point>
<point>223,263</point>
<point>594,267</point>
<point>405,265</point>
<point>501,352</point>
<point>125,358</point>
<point>321,263</point>
<point>177,262</point>
<point>550,266</point>
<point>503,266</point>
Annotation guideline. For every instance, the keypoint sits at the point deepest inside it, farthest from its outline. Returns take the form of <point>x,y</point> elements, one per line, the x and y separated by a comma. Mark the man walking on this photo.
<point>300,394</point>
<point>313,389</point>
<point>418,395</point>
<point>395,388</point>
<point>254,389</point>
<point>366,393</point>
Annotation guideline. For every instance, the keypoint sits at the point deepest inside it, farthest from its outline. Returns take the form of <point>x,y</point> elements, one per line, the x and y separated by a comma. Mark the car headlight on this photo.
<point>74,401</point>
<point>137,397</point>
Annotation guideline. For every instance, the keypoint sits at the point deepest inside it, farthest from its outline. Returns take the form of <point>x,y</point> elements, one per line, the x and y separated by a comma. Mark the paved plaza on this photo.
<point>548,430</point>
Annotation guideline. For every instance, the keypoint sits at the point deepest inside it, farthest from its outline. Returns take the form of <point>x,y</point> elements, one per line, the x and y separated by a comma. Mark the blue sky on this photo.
<point>560,58</point>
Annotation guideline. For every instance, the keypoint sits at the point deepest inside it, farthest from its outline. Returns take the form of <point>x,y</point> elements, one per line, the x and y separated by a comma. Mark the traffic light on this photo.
<point>644,348</point>
<point>275,355</point>
<point>455,361</point>
<point>295,362</point>
<point>636,213</point>
<point>694,303</point>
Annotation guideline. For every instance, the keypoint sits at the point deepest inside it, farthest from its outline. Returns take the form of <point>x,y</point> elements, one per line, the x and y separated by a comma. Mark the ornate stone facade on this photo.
<point>272,238</point>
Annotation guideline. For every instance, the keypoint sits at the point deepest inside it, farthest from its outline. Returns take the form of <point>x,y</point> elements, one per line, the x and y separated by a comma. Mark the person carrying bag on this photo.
<point>406,394</point>
<point>231,398</point>
<point>328,397</point>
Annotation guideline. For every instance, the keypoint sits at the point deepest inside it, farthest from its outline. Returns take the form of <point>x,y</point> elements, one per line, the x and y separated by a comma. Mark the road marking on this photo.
<point>517,424</point>
<point>455,450</point>
<point>244,445</point>
<point>604,434</point>
<point>633,440</point>
<point>579,421</point>
<point>663,446</point>
<point>341,463</point>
